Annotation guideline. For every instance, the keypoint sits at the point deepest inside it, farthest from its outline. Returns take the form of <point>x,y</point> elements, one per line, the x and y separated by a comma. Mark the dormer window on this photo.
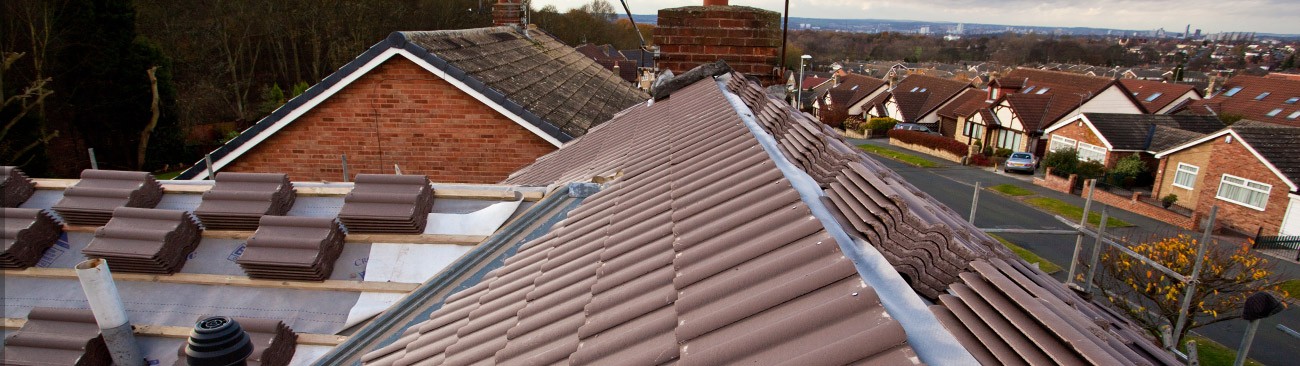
<point>1232,92</point>
<point>1262,96</point>
<point>1154,96</point>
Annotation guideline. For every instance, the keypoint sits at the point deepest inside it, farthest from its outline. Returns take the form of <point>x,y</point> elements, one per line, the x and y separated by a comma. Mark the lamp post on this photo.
<point>1258,306</point>
<point>798,102</point>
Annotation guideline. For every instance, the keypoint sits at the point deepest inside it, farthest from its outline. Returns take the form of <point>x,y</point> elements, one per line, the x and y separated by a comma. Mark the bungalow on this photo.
<point>918,98</point>
<point>1029,100</point>
<point>1157,97</point>
<point>1266,99</point>
<point>954,116</point>
<point>1108,137</point>
<point>1249,170</point>
<point>465,106</point>
<point>853,93</point>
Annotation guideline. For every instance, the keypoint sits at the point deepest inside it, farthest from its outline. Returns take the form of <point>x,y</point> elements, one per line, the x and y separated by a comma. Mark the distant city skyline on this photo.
<point>1211,16</point>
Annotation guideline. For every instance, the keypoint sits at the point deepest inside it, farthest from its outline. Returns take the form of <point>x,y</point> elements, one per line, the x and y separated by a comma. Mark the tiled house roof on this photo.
<point>532,78</point>
<point>1032,109</point>
<point>732,241</point>
<point>856,87</point>
<point>1067,91</point>
<point>967,103</point>
<point>1154,95</point>
<point>938,91</point>
<point>1265,99</point>
<point>1277,143</point>
<point>1136,131</point>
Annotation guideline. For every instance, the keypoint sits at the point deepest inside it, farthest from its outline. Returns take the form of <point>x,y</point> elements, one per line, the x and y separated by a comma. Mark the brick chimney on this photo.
<point>747,38</point>
<point>507,12</point>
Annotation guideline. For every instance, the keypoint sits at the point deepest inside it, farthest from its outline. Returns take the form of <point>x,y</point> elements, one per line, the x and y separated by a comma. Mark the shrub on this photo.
<point>1063,162</point>
<point>881,125</point>
<point>1089,170</point>
<point>980,160</point>
<point>1002,153</point>
<point>1128,170</point>
<point>855,123</point>
<point>929,140</point>
<point>1168,200</point>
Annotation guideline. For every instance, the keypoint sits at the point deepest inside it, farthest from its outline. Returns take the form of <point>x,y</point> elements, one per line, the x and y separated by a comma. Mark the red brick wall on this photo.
<point>1055,183</point>
<point>400,114</point>
<point>1233,158</point>
<point>747,38</point>
<point>1132,204</point>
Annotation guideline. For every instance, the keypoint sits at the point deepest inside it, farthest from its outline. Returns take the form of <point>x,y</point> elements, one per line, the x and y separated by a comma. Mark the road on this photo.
<point>954,184</point>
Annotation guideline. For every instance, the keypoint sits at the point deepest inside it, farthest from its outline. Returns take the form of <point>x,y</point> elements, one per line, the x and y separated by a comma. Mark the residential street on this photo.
<point>953,185</point>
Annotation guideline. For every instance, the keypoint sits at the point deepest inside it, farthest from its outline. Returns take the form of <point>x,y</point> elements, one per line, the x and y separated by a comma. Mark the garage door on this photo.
<point>1291,222</point>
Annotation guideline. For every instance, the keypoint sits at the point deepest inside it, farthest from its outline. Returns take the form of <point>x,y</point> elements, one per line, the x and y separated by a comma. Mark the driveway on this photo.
<point>953,185</point>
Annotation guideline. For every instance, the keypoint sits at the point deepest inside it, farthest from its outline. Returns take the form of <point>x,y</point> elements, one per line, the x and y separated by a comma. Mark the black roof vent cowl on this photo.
<point>218,341</point>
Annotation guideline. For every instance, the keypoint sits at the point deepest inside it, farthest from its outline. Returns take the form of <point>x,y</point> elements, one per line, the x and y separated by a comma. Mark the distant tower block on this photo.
<point>748,39</point>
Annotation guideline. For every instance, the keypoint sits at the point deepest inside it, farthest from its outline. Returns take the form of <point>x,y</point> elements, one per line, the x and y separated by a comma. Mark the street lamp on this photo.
<point>798,102</point>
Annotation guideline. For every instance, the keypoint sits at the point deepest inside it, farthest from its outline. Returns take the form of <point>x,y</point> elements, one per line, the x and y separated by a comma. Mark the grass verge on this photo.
<point>903,157</point>
<point>1011,190</point>
<point>1292,288</point>
<point>1028,256</point>
<point>1214,354</point>
<point>167,175</point>
<point>1073,212</point>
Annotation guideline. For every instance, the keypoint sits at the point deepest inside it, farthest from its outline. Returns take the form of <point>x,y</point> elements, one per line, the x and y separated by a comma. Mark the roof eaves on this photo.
<point>933,343</point>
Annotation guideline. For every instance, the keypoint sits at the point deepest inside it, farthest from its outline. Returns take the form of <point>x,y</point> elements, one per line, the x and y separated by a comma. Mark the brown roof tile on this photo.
<point>938,90</point>
<point>966,104</point>
<point>1067,90</point>
<point>855,87</point>
<point>1277,143</point>
<point>1247,103</point>
<point>57,337</point>
<point>1143,90</point>
<point>15,187</point>
<point>1032,109</point>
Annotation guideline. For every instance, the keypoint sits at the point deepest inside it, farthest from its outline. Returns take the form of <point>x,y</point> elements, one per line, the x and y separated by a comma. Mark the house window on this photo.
<point>1154,96</point>
<point>915,88</point>
<point>1293,100</point>
<point>1186,176</point>
<point>1009,140</point>
<point>1244,192</point>
<point>1043,90</point>
<point>1092,152</point>
<point>1262,96</point>
<point>1294,115</point>
<point>1232,92</point>
<point>1273,113</point>
<point>1061,142</point>
<point>1027,90</point>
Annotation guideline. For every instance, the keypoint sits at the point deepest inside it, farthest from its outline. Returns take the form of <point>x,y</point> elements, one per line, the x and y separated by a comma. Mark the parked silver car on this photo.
<point>914,127</point>
<point>1021,162</point>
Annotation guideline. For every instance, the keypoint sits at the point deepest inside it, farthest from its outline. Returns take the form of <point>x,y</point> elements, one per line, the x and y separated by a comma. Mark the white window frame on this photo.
<point>1188,169</point>
<point>1087,150</point>
<point>1061,142</point>
<point>1246,185</point>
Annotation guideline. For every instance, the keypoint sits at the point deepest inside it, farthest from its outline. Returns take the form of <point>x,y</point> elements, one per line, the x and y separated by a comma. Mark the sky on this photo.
<point>1211,16</point>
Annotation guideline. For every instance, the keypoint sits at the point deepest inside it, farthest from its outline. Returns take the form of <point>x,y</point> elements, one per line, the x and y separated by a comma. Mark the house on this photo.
<point>752,244</point>
<point>953,116</point>
<point>917,99</point>
<point>1029,100</point>
<point>613,60</point>
<point>466,105</point>
<point>1158,97</point>
<point>814,89</point>
<point>1250,170</point>
<point>854,92</point>
<point>1109,137</point>
<point>1143,74</point>
<point>1265,99</point>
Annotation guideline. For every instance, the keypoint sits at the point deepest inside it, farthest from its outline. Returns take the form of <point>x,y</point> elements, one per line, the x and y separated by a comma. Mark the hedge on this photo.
<point>932,141</point>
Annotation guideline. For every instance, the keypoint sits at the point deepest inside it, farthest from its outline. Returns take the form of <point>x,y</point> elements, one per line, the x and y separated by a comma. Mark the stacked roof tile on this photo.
<point>388,204</point>
<point>273,343</point>
<point>293,248</point>
<point>238,200</point>
<point>57,337</point>
<point>92,200</point>
<point>146,240</point>
<point>15,187</point>
<point>700,253</point>
<point>27,234</point>
<point>1009,313</point>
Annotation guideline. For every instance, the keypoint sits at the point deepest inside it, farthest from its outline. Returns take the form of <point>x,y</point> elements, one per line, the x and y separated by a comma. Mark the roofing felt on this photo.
<point>939,91</point>
<point>535,70</point>
<point>57,337</point>
<point>15,187</point>
<point>532,75</point>
<point>700,253</point>
<point>1144,90</point>
<point>1135,131</point>
<point>1277,143</point>
<point>1250,102</point>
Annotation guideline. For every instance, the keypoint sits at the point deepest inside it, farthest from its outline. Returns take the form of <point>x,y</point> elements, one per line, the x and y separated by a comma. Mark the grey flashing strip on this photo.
<point>933,344</point>
<point>414,308</point>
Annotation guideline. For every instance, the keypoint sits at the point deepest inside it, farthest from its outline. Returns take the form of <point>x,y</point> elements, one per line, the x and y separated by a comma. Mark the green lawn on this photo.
<point>1073,212</point>
<point>1292,287</point>
<point>1011,190</point>
<point>167,175</point>
<point>903,157</point>
<point>1212,353</point>
<point>1029,256</point>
